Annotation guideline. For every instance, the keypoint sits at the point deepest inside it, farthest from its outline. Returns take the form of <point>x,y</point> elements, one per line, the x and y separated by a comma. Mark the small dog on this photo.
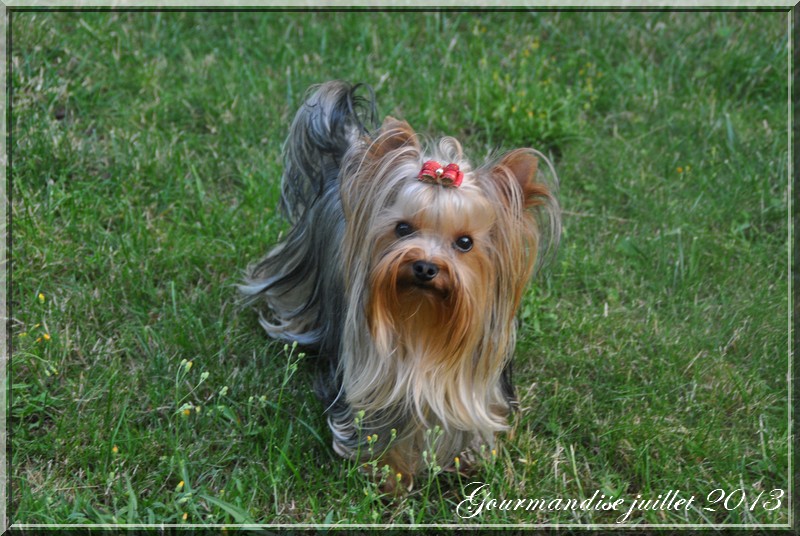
<point>404,270</point>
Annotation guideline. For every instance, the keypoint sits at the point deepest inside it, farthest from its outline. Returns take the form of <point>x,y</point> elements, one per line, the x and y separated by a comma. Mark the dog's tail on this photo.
<point>298,284</point>
<point>330,120</point>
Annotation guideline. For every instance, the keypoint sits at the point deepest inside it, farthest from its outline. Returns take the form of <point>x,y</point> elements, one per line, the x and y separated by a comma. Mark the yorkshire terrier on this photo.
<point>404,269</point>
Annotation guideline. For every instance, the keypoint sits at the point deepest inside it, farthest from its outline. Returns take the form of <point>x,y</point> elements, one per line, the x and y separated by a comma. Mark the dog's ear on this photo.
<point>393,134</point>
<point>520,166</point>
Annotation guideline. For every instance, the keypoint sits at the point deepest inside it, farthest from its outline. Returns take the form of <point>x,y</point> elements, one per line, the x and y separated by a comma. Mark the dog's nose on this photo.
<point>425,271</point>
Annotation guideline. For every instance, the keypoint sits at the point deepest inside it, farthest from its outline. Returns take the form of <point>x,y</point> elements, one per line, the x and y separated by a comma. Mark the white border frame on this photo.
<point>598,5</point>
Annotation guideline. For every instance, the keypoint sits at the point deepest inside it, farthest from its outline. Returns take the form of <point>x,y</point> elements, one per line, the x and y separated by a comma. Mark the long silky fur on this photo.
<point>397,362</point>
<point>298,285</point>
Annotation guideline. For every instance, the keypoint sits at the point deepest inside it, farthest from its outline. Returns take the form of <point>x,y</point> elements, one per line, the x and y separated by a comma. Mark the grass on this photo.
<point>145,154</point>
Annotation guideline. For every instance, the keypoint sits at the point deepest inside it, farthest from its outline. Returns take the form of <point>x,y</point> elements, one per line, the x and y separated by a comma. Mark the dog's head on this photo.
<point>438,263</point>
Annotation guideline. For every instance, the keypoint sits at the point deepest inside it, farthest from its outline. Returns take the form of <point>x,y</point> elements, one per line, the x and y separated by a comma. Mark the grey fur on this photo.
<point>298,285</point>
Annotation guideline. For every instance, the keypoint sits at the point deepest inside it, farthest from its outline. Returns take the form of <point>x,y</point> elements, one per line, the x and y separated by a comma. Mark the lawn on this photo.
<point>145,161</point>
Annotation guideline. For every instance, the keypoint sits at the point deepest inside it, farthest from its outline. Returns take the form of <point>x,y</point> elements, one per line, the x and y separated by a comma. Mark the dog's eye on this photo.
<point>403,229</point>
<point>463,243</point>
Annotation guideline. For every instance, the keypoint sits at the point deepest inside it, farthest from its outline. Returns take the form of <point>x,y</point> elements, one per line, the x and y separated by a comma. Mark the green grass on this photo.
<point>145,163</point>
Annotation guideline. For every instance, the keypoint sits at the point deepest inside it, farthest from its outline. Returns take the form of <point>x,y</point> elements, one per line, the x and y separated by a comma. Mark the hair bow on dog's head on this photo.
<point>449,176</point>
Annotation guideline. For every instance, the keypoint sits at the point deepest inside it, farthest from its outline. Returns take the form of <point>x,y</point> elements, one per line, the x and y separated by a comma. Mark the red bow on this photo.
<point>433,172</point>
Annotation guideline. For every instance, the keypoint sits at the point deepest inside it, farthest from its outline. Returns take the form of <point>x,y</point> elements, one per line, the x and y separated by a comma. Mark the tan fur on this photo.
<point>433,356</point>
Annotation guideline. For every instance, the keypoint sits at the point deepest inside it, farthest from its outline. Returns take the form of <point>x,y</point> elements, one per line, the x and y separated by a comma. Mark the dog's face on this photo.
<point>435,241</point>
<point>433,263</point>
<point>436,262</point>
